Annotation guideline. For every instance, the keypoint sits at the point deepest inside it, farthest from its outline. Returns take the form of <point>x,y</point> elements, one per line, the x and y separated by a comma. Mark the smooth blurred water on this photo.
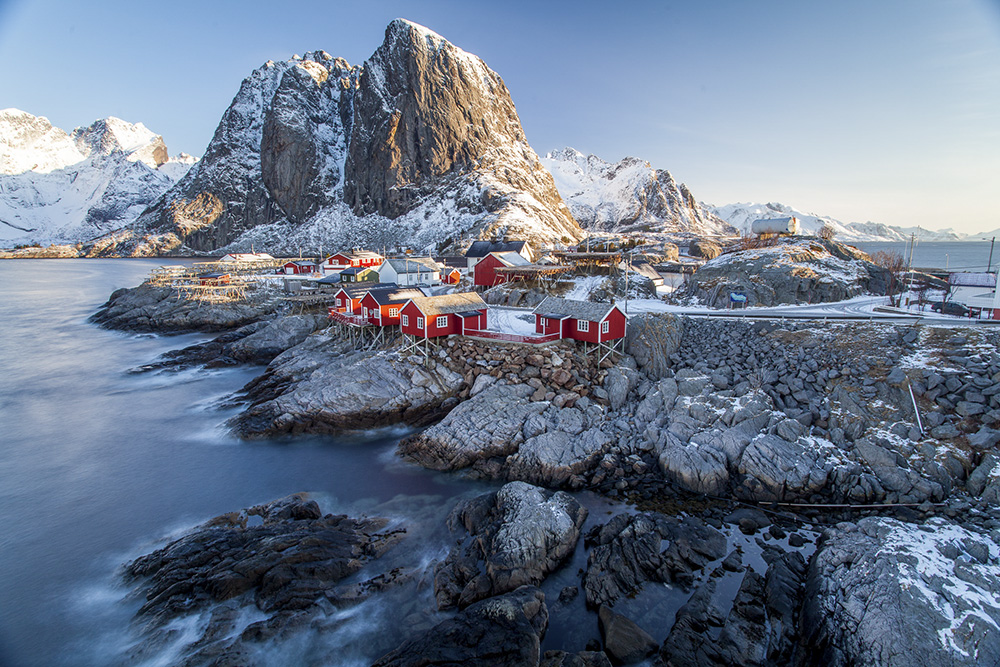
<point>96,464</point>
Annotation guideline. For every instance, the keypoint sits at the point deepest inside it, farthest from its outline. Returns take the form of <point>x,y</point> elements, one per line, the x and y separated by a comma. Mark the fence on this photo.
<point>346,318</point>
<point>512,338</point>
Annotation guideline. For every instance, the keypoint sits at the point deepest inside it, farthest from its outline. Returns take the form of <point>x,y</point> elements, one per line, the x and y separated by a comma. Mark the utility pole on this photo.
<point>909,267</point>
<point>990,262</point>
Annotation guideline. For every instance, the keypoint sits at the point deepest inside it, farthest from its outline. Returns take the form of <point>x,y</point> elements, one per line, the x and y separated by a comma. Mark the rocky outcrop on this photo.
<point>502,433</point>
<point>651,339</point>
<point>759,628</point>
<point>503,631</point>
<point>324,386</point>
<point>255,343</point>
<point>516,537</point>
<point>794,271</point>
<point>629,195</point>
<point>152,308</point>
<point>627,552</point>
<point>403,150</point>
<point>886,593</point>
<point>287,561</point>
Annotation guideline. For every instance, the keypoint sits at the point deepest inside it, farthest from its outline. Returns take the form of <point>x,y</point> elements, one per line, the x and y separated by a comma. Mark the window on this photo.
<point>582,325</point>
<point>405,320</point>
<point>442,322</point>
<point>393,312</point>
<point>605,326</point>
<point>420,323</point>
<point>340,302</point>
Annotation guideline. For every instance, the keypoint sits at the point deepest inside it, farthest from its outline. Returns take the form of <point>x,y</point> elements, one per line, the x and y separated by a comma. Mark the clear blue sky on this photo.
<point>886,111</point>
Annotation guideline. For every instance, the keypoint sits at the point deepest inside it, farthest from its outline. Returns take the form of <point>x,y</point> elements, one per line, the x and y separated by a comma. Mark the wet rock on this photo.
<point>518,535</point>
<point>626,553</point>
<point>498,632</point>
<point>624,641</point>
<point>149,308</point>
<point>294,558</point>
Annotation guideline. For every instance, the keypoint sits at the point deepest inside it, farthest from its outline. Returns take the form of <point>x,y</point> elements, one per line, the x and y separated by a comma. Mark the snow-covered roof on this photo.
<point>483,248</point>
<point>245,257</point>
<point>972,279</point>
<point>447,304</point>
<point>578,310</point>
<point>414,265</point>
<point>511,258</point>
<point>357,290</point>
<point>385,297</point>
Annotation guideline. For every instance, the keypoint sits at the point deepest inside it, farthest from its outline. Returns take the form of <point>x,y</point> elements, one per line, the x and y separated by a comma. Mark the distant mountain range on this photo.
<point>64,188</point>
<point>741,216</point>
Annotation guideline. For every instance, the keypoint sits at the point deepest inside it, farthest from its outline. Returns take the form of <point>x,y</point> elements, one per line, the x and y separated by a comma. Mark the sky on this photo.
<point>886,111</point>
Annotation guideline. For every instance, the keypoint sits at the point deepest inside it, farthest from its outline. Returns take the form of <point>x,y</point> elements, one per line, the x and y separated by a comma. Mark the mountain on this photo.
<point>63,188</point>
<point>741,216</point>
<point>421,146</point>
<point>629,195</point>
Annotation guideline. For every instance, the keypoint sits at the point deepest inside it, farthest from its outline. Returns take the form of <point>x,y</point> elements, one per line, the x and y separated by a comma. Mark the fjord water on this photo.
<point>98,465</point>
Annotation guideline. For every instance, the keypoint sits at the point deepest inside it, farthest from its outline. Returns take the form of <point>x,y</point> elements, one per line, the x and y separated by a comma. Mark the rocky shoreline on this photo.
<point>709,429</point>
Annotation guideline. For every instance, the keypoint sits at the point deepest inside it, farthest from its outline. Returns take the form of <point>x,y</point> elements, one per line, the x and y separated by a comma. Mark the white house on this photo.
<point>410,271</point>
<point>480,249</point>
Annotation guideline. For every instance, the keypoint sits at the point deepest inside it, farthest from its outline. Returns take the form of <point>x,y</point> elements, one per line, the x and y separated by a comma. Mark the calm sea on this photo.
<point>957,256</point>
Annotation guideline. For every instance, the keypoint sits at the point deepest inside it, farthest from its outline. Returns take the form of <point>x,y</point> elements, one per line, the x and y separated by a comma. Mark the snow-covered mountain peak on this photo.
<point>628,195</point>
<point>31,143</point>
<point>111,135</point>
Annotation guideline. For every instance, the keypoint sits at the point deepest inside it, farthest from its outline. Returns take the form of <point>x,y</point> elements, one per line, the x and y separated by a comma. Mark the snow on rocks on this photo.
<point>887,593</point>
<point>515,536</point>
<point>791,271</point>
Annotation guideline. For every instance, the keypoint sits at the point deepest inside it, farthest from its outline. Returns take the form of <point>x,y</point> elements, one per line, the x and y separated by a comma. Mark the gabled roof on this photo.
<point>413,265</point>
<point>483,248</point>
<point>447,304</point>
<point>355,270</point>
<point>578,310</point>
<point>357,254</point>
<point>301,262</point>
<point>357,290</point>
<point>217,274</point>
<point>396,295</point>
<point>973,279</point>
<point>510,258</point>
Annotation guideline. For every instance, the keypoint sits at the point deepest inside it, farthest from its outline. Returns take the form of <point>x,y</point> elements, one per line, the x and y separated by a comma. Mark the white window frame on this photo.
<point>582,325</point>
<point>420,323</point>
<point>441,322</point>
<point>340,302</point>
<point>393,312</point>
<point>605,327</point>
<point>405,320</point>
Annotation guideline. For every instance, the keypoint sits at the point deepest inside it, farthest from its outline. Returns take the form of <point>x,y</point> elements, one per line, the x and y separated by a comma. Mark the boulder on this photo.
<point>882,592</point>
<point>504,631</point>
<point>624,641</point>
<point>517,536</point>
<point>651,338</point>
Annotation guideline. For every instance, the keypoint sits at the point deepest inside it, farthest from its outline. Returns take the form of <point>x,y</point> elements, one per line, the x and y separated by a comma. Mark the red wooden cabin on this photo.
<point>484,273</point>
<point>345,260</point>
<point>445,315</point>
<point>301,266</point>
<point>347,299</point>
<point>217,278</point>
<point>383,306</point>
<point>451,276</point>
<point>580,320</point>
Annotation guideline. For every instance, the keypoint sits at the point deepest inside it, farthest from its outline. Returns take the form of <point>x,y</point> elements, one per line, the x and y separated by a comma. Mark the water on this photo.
<point>99,466</point>
<point>956,256</point>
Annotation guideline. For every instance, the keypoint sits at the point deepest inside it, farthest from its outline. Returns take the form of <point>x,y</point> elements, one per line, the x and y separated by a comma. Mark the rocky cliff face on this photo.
<point>629,195</point>
<point>57,187</point>
<point>431,116</point>
<point>422,146</point>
